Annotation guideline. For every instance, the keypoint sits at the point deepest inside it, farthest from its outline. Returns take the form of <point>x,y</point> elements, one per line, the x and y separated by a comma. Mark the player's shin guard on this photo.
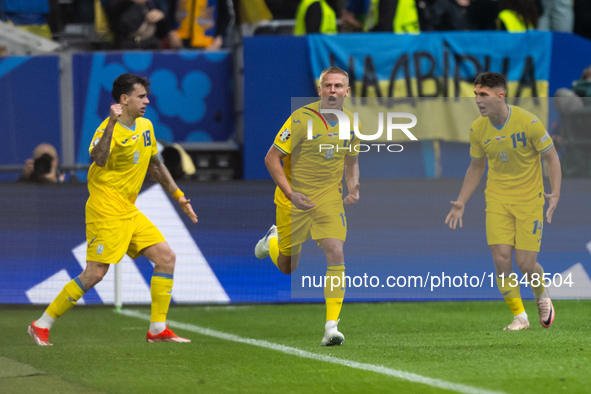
<point>510,291</point>
<point>161,291</point>
<point>274,249</point>
<point>538,285</point>
<point>67,298</point>
<point>334,291</point>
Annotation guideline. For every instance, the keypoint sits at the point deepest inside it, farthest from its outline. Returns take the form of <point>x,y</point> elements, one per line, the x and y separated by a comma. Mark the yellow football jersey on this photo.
<point>313,166</point>
<point>513,153</point>
<point>114,187</point>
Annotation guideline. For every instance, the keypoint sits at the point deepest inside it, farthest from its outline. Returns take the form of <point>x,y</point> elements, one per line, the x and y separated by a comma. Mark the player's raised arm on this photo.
<point>100,153</point>
<point>471,181</point>
<point>159,171</point>
<point>555,175</point>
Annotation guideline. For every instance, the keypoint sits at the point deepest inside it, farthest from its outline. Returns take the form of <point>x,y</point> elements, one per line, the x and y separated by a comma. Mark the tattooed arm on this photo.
<point>100,153</point>
<point>163,177</point>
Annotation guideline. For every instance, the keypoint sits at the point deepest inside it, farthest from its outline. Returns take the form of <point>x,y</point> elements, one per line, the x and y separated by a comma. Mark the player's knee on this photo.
<point>96,278</point>
<point>169,258</point>
<point>286,264</point>
<point>526,265</point>
<point>338,256</point>
<point>504,259</point>
<point>285,268</point>
<point>334,254</point>
<point>501,257</point>
<point>92,278</point>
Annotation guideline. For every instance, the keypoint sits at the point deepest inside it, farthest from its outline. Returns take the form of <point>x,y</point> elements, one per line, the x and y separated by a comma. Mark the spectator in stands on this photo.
<point>421,15</point>
<point>205,23</point>
<point>510,15</point>
<point>483,14</point>
<point>394,15</point>
<point>282,9</point>
<point>316,16</point>
<point>253,12</point>
<point>137,24</point>
<point>569,100</point>
<point>576,154</point>
<point>518,15</point>
<point>355,14</point>
<point>28,15</point>
<point>557,16</point>
<point>43,167</point>
<point>444,15</point>
<point>582,12</point>
<point>172,40</point>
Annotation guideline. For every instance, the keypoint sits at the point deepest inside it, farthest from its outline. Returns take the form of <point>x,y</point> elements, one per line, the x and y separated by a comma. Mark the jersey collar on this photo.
<point>127,127</point>
<point>499,128</point>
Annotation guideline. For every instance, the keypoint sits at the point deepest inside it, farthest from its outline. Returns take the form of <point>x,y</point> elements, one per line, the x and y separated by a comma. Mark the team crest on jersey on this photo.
<point>285,134</point>
<point>96,141</point>
<point>100,248</point>
<point>136,157</point>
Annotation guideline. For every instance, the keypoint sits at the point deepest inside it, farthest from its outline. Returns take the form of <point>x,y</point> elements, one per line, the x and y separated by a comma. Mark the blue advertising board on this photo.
<point>395,233</point>
<point>29,107</point>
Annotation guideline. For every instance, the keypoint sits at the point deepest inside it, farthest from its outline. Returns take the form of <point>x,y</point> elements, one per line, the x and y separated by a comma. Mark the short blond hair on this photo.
<point>333,70</point>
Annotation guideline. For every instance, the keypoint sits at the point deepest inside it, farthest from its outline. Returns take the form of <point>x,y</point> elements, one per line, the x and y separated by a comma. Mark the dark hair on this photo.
<point>491,80</point>
<point>125,83</point>
<point>526,10</point>
<point>173,162</point>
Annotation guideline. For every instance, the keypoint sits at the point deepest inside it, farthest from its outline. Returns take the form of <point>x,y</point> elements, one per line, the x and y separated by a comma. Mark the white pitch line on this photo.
<point>411,377</point>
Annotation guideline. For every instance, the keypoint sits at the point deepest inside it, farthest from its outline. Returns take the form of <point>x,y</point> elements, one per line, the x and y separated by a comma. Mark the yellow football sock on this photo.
<point>511,294</point>
<point>334,295</point>
<point>274,249</point>
<point>161,290</point>
<point>67,298</point>
<point>540,288</point>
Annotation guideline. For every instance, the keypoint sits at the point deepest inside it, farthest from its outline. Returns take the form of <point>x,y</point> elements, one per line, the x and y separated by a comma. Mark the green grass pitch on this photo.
<point>458,344</point>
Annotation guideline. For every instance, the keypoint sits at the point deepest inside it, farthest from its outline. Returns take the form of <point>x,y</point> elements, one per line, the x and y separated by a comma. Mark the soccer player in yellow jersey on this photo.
<point>123,148</point>
<point>512,140</point>
<point>309,191</point>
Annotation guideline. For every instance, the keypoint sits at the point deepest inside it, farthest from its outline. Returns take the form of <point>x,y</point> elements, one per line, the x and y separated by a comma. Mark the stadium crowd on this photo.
<point>174,24</point>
